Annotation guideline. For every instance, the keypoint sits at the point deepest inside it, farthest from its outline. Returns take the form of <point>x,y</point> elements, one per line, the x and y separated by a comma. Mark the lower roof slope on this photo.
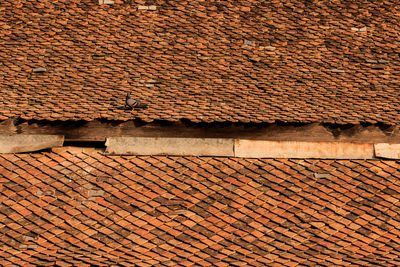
<point>85,208</point>
<point>236,61</point>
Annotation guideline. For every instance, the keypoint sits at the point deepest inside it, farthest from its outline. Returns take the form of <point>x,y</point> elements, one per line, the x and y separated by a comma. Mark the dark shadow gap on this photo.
<point>92,144</point>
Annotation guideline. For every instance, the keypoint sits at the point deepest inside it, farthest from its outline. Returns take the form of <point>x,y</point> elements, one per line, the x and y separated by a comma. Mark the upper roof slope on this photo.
<point>258,61</point>
<point>86,208</point>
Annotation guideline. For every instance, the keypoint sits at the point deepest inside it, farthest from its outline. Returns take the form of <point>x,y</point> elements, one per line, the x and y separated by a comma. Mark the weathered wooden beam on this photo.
<point>8,126</point>
<point>237,148</point>
<point>389,151</point>
<point>100,130</point>
<point>170,146</point>
<point>287,149</point>
<point>18,143</point>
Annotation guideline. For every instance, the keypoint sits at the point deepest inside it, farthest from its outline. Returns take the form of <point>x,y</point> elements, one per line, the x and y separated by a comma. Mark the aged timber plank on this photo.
<point>389,151</point>
<point>293,149</point>
<point>170,146</point>
<point>18,143</point>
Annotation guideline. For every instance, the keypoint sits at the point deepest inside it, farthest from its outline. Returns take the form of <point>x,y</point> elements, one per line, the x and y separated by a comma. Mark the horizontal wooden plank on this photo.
<point>389,151</point>
<point>100,130</point>
<point>170,146</point>
<point>18,143</point>
<point>286,149</point>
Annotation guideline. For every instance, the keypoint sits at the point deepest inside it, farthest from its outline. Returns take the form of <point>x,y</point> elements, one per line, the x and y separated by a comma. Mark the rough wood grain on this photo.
<point>100,130</point>
<point>389,151</point>
<point>290,149</point>
<point>170,146</point>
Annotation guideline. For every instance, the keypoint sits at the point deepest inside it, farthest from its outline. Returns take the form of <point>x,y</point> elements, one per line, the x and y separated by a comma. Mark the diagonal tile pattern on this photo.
<point>236,61</point>
<point>79,207</point>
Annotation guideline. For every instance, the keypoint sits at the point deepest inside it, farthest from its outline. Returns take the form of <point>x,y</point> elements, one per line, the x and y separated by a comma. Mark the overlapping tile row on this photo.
<point>238,61</point>
<point>83,208</point>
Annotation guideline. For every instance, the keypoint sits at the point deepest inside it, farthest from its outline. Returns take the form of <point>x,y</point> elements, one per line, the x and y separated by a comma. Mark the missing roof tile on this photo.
<point>363,29</point>
<point>24,246</point>
<point>151,8</point>
<point>374,61</point>
<point>378,67</point>
<point>268,47</point>
<point>95,193</point>
<point>337,71</point>
<point>321,175</point>
<point>39,70</point>
<point>45,193</point>
<point>33,101</point>
<point>248,42</point>
<point>106,2</point>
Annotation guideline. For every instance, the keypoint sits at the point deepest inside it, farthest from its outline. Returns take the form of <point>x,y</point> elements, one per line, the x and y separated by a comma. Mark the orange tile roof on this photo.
<point>83,208</point>
<point>237,61</point>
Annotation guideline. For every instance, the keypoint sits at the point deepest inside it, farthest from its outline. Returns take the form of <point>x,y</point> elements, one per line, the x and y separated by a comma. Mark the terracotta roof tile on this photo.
<point>205,61</point>
<point>81,207</point>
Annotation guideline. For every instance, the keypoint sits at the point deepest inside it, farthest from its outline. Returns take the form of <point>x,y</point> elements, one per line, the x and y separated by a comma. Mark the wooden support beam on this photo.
<point>389,151</point>
<point>100,130</point>
<point>307,150</point>
<point>236,148</point>
<point>18,143</point>
<point>222,147</point>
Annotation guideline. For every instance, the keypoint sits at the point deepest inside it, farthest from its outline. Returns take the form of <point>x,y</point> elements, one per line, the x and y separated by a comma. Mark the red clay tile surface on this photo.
<point>82,208</point>
<point>247,61</point>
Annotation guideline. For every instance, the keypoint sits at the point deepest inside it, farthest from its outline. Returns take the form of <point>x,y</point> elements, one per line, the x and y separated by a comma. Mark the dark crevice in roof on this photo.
<point>188,123</point>
<point>99,130</point>
<point>91,144</point>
